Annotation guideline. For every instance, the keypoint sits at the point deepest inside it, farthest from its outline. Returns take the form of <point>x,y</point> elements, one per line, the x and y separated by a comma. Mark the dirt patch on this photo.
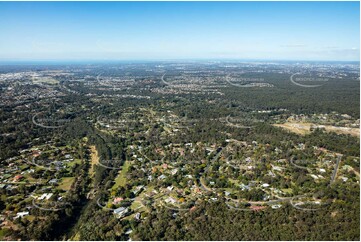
<point>304,128</point>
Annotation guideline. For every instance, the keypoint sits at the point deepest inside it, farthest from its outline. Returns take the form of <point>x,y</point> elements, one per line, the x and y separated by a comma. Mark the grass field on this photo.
<point>47,80</point>
<point>75,161</point>
<point>135,205</point>
<point>76,237</point>
<point>287,190</point>
<point>66,183</point>
<point>94,159</point>
<point>121,179</point>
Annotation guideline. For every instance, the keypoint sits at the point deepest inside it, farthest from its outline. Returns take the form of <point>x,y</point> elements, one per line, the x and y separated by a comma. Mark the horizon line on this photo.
<point>165,60</point>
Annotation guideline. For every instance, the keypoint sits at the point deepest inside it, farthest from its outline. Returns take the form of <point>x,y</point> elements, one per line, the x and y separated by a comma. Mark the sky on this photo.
<point>319,31</point>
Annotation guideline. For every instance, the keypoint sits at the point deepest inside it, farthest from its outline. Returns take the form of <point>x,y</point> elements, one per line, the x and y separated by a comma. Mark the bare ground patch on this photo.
<point>304,128</point>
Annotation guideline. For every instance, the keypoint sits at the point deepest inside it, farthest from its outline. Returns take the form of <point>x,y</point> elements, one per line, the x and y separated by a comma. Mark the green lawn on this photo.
<point>3,233</point>
<point>47,80</point>
<point>66,183</point>
<point>287,190</point>
<point>76,237</point>
<point>75,161</point>
<point>121,179</point>
<point>135,205</point>
<point>234,181</point>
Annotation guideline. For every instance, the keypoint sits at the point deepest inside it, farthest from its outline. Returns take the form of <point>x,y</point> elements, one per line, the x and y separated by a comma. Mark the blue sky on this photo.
<point>179,30</point>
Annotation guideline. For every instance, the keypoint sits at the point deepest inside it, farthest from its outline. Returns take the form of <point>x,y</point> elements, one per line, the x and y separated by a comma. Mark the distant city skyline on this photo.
<point>305,31</point>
